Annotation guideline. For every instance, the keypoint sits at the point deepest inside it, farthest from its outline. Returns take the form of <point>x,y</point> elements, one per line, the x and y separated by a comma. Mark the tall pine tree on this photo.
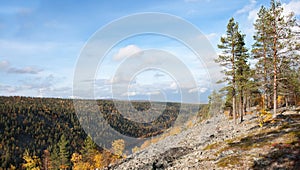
<point>233,58</point>
<point>261,52</point>
<point>243,73</point>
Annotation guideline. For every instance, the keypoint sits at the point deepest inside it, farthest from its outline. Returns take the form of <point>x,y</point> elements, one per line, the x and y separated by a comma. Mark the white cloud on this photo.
<point>211,35</point>
<point>127,51</point>
<point>201,90</point>
<point>252,15</point>
<point>173,86</point>
<point>292,6</point>
<point>24,70</point>
<point>37,86</point>
<point>7,89</point>
<point>4,64</point>
<point>247,7</point>
<point>153,93</point>
<point>130,93</point>
<point>121,79</point>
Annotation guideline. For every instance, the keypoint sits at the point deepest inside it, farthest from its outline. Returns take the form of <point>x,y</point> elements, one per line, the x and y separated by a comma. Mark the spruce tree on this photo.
<point>64,153</point>
<point>54,157</point>
<point>89,149</point>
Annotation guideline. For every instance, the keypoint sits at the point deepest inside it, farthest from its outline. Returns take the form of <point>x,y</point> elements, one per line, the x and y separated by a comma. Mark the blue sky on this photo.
<point>40,42</point>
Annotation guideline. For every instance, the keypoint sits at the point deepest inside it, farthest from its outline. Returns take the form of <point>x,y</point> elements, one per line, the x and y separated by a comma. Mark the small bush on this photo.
<point>263,117</point>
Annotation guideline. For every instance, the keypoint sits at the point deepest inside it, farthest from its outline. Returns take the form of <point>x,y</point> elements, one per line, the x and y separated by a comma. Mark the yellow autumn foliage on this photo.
<point>98,160</point>
<point>264,117</point>
<point>118,147</point>
<point>31,163</point>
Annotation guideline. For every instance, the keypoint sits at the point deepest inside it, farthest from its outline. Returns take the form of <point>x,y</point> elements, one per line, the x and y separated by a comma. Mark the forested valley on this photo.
<point>45,132</point>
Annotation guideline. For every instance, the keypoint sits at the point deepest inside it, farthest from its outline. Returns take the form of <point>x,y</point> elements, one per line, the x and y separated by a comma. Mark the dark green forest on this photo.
<point>36,124</point>
<point>44,125</point>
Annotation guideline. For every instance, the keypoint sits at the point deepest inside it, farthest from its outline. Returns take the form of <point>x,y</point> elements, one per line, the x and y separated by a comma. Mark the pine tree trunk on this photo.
<point>241,103</point>
<point>233,108</point>
<point>241,107</point>
<point>233,82</point>
<point>266,100</point>
<point>275,65</point>
<point>275,92</point>
<point>245,104</point>
<point>269,101</point>
<point>233,93</point>
<point>248,101</point>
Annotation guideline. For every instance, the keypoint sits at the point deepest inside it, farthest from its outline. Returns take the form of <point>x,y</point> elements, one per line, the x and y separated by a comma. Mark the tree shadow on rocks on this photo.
<point>281,156</point>
<point>285,155</point>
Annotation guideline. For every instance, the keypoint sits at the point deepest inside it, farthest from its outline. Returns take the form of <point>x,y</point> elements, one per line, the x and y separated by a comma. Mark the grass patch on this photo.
<point>229,141</point>
<point>254,140</point>
<point>222,150</point>
<point>230,160</point>
<point>211,146</point>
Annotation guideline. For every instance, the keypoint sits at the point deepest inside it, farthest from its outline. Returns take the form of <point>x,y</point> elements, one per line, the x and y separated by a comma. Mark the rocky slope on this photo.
<point>219,144</point>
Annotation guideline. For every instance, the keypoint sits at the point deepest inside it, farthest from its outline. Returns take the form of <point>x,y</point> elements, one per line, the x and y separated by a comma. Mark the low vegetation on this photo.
<point>276,144</point>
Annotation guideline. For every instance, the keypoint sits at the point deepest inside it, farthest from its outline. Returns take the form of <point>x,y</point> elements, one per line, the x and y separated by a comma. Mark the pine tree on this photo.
<point>275,37</point>
<point>233,52</point>
<point>243,73</point>
<point>261,52</point>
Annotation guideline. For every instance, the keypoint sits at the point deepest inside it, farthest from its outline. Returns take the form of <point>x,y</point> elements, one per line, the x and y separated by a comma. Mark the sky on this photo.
<point>41,43</point>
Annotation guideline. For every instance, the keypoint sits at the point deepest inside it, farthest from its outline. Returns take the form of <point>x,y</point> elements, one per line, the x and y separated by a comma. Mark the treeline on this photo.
<point>46,132</point>
<point>274,78</point>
